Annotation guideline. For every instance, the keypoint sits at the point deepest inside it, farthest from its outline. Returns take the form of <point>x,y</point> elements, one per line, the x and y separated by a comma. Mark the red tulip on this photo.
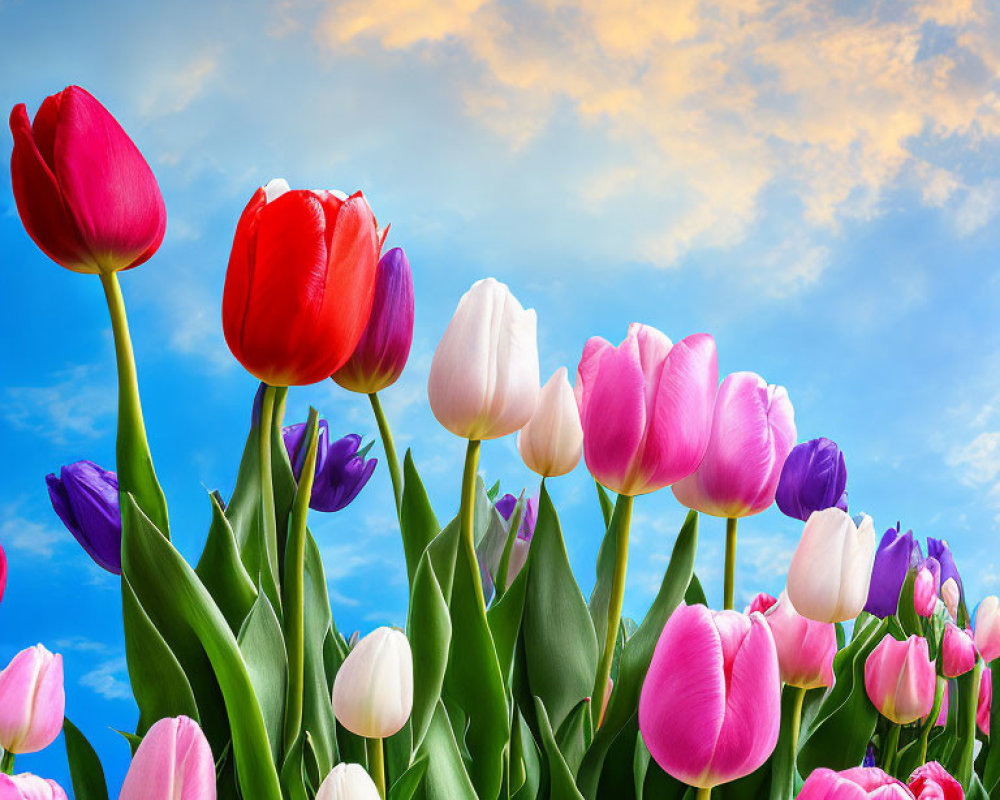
<point>84,192</point>
<point>932,782</point>
<point>300,283</point>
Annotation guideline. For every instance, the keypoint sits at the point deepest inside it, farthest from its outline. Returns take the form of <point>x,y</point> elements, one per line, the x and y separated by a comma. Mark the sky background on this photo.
<point>817,184</point>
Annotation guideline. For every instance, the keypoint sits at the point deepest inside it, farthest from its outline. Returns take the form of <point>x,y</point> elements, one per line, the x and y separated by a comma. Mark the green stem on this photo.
<point>939,690</point>
<point>391,459</point>
<point>730,578</point>
<point>800,696</point>
<point>968,699</point>
<point>614,609</point>
<point>7,763</point>
<point>376,764</point>
<point>294,585</point>
<point>268,519</point>
<point>467,514</point>
<point>891,745</point>
<point>703,794</point>
<point>134,462</point>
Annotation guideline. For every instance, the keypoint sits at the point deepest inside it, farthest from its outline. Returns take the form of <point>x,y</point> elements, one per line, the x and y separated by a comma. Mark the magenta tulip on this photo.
<point>761,602</point>
<point>985,701</point>
<point>646,407</point>
<point>29,787</point>
<point>958,651</point>
<point>717,671</point>
<point>32,701</point>
<point>753,431</point>
<point>926,586</point>
<point>932,782</point>
<point>859,783</point>
<point>174,762</point>
<point>805,647</point>
<point>900,679</point>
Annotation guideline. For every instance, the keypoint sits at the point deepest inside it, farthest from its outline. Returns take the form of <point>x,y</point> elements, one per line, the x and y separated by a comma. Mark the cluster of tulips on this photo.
<point>864,678</point>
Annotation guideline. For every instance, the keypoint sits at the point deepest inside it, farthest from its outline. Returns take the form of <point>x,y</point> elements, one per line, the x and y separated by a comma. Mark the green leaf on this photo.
<point>526,764</point>
<point>505,617</point>
<point>85,767</point>
<point>562,786</point>
<point>991,769</point>
<point>574,736</point>
<point>695,594</point>
<point>406,784</point>
<point>263,648</point>
<point>293,778</point>
<point>600,597</point>
<point>960,762</point>
<point>429,632</point>
<point>783,760</point>
<point>446,777</point>
<point>222,571</point>
<point>418,524</point>
<point>607,507</point>
<point>906,611</point>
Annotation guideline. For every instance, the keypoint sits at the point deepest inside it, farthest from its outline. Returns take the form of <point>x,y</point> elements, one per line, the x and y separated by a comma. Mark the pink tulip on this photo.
<point>29,787</point>
<point>985,701</point>
<point>761,602</point>
<point>646,407</point>
<point>900,679</point>
<point>951,595</point>
<point>859,783</point>
<point>925,588</point>
<point>753,431</point>
<point>932,782</point>
<point>174,761</point>
<point>988,628</point>
<point>32,701</point>
<point>805,647</point>
<point>958,651</point>
<point>709,710</point>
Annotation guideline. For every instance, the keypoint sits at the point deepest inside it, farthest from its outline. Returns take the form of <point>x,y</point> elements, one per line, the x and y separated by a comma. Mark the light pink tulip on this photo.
<point>373,690</point>
<point>347,782</point>
<point>646,407</point>
<point>951,594</point>
<point>925,588</point>
<point>958,651</point>
<point>900,679</point>
<point>985,701</point>
<point>709,710</point>
<point>32,701</point>
<point>29,787</point>
<point>860,783</point>
<point>805,647</point>
<point>988,628</point>
<point>552,441</point>
<point>932,782</point>
<point>753,431</point>
<point>174,761</point>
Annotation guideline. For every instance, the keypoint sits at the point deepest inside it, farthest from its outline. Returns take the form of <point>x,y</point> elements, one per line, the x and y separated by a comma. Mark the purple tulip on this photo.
<point>939,549</point>
<point>897,553</point>
<point>529,517</point>
<point>341,471</point>
<point>814,478</point>
<point>85,497</point>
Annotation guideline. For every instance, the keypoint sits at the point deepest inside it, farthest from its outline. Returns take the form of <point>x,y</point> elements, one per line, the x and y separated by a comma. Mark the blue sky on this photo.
<point>816,184</point>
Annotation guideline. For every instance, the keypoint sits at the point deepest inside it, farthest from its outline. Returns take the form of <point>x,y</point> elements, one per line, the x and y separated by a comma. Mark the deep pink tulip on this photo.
<point>717,671</point>
<point>174,761</point>
<point>860,783</point>
<point>900,679</point>
<point>646,407</point>
<point>985,701</point>
<point>805,647</point>
<point>84,192</point>
<point>29,787</point>
<point>761,602</point>
<point>753,431</point>
<point>32,701</point>
<point>958,651</point>
<point>932,782</point>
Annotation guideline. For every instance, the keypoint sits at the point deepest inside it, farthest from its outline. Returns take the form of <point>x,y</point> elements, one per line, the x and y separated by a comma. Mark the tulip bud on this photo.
<point>900,679</point>
<point>939,549</point>
<point>373,690</point>
<point>381,354</point>
<point>985,701</point>
<point>341,472</point>
<point>718,672</point>
<point>829,574</point>
<point>525,532</point>
<point>813,478</point>
<point>805,647</point>
<point>932,782</point>
<point>988,628</point>
<point>646,407</point>
<point>958,651</point>
<point>925,587</point>
<point>897,553</point>
<point>347,782</point>
<point>484,376</point>
<point>85,194</point>
<point>761,602</point>
<point>951,595</point>
<point>858,783</point>
<point>29,787</point>
<point>86,499</point>
<point>32,701</point>
<point>173,760</point>
<point>552,442</point>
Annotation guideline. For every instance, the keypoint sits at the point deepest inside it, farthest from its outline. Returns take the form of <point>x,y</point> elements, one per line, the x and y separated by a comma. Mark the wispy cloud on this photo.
<point>109,679</point>
<point>75,404</point>
<point>978,464</point>
<point>29,536</point>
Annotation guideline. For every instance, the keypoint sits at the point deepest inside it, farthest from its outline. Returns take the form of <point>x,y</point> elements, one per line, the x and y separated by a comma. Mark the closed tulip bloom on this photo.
<point>897,553</point>
<point>900,679</point>
<point>646,407</point>
<point>341,470</point>
<point>985,701</point>
<point>173,762</point>
<point>85,497</point>
<point>958,651</point>
<point>761,602</point>
<point>347,782</point>
<point>552,442</point>
<point>300,283</point>
<point>29,787</point>
<point>373,690</point>
<point>813,477</point>
<point>805,647</point>
<point>988,628</point>
<point>85,194</point>
<point>829,574</point>
<point>925,587</point>
<point>939,549</point>
<point>484,376</point>
<point>32,701</point>
<point>718,672</point>
<point>951,595</point>
<point>753,431</point>
<point>859,783</point>
<point>379,358</point>
<point>932,782</point>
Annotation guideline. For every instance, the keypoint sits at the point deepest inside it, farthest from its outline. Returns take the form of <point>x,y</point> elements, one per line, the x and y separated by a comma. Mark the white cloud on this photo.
<point>978,465</point>
<point>109,679</point>
<point>978,208</point>
<point>29,536</point>
<point>74,405</point>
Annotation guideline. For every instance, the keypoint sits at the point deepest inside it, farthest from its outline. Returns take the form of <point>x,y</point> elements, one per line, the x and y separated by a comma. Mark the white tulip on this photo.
<point>373,690</point>
<point>552,442</point>
<point>347,782</point>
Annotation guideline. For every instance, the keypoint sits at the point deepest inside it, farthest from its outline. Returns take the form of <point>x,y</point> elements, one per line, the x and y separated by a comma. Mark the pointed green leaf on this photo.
<point>562,786</point>
<point>429,632</point>
<point>263,647</point>
<point>85,767</point>
<point>418,524</point>
<point>221,570</point>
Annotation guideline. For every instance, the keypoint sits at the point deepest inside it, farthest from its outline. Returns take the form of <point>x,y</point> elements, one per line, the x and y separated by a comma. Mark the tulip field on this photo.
<point>869,676</point>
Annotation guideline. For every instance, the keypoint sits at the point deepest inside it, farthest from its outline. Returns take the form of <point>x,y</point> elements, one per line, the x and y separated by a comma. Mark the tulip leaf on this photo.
<point>782,762</point>
<point>562,786</point>
<point>574,736</point>
<point>405,786</point>
<point>906,611</point>
<point>525,761</point>
<point>293,778</point>
<point>222,571</point>
<point>418,524</point>
<point>976,789</point>
<point>446,777</point>
<point>991,769</point>
<point>959,763</point>
<point>607,507</point>
<point>429,632</point>
<point>85,767</point>
<point>263,647</point>
<point>505,617</point>
<point>600,597</point>
<point>695,594</point>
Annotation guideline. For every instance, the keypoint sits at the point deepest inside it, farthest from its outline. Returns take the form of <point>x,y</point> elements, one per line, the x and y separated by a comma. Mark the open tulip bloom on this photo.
<point>864,678</point>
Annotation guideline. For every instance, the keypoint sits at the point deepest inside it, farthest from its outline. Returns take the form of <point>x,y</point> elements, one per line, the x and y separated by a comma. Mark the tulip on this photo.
<point>552,442</point>
<point>173,761</point>
<point>761,602</point>
<point>717,671</point>
<point>932,782</point>
<point>829,574</point>
<point>341,471</point>
<point>484,375</point>
<point>958,651</point>
<point>86,499</point>
<point>897,553</point>
<point>951,595</point>
<point>925,587</point>
<point>29,787</point>
<point>900,679</point>
<point>939,549</point>
<point>646,408</point>
<point>814,477</point>
<point>380,355</point>
<point>858,783</point>
<point>300,283</point>
<point>85,194</point>
<point>32,701</point>
<point>805,647</point>
<point>988,628</point>
<point>373,690</point>
<point>347,782</point>
<point>753,431</point>
<point>985,701</point>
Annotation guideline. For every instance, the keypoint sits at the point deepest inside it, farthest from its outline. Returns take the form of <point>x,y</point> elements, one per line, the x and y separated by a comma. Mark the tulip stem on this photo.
<point>939,690</point>
<point>614,609</point>
<point>134,461</point>
<point>891,745</point>
<point>391,459</point>
<point>730,578</point>
<point>799,697</point>
<point>704,793</point>
<point>467,515</point>
<point>268,519</point>
<point>7,763</point>
<point>376,764</point>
